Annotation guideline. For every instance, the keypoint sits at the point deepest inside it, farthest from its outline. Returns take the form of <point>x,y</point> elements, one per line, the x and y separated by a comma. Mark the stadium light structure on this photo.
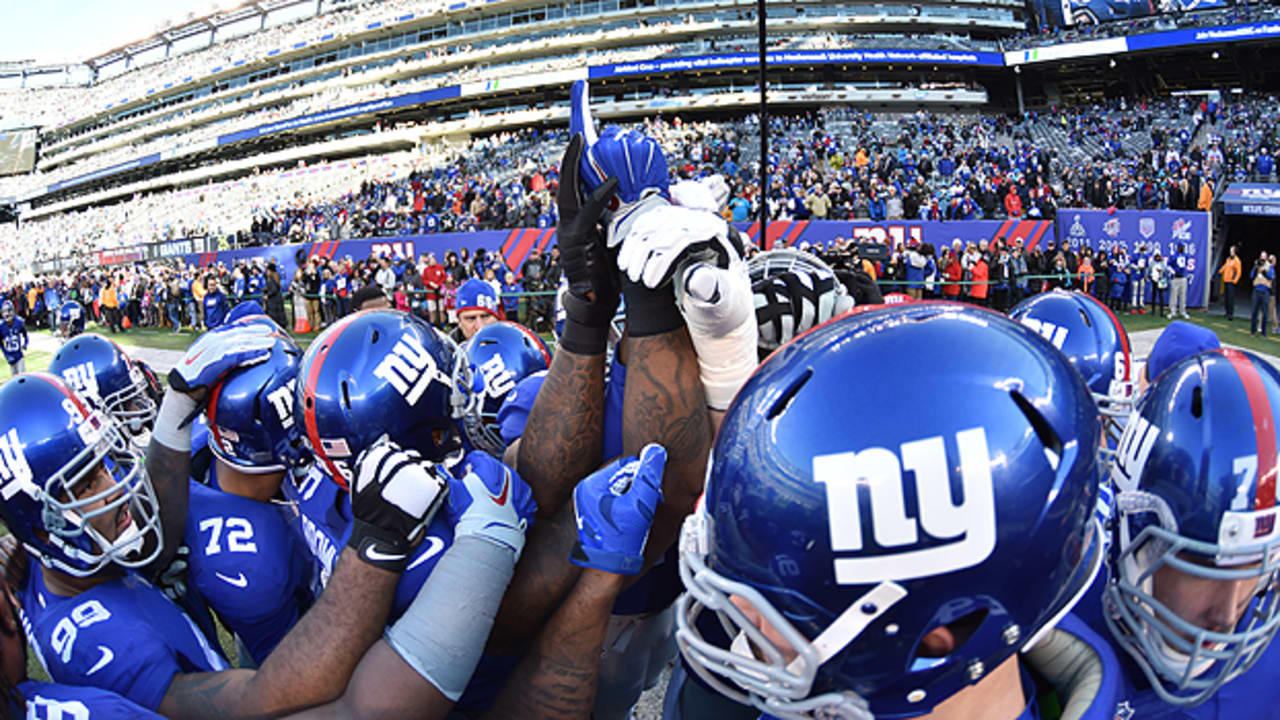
<point>764,119</point>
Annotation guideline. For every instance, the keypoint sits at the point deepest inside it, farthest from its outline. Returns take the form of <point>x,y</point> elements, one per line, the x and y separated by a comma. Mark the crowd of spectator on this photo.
<point>837,164</point>
<point>173,295</point>
<point>1242,11</point>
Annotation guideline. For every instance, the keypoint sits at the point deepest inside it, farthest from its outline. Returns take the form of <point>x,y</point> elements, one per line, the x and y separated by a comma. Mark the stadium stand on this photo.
<point>279,121</point>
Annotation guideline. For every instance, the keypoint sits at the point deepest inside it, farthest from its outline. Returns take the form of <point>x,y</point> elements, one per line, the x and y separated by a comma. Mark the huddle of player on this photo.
<point>925,510</point>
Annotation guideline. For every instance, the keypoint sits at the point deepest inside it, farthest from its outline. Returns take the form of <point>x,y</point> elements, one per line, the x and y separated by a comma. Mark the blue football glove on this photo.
<point>614,508</point>
<point>490,501</point>
<point>217,352</point>
<point>636,160</point>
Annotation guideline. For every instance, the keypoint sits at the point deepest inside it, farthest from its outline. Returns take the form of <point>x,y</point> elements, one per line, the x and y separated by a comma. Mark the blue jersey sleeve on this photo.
<point>613,394</point>
<point>247,565</point>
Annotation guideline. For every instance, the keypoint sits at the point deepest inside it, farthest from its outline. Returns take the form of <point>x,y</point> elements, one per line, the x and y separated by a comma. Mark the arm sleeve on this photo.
<point>443,632</point>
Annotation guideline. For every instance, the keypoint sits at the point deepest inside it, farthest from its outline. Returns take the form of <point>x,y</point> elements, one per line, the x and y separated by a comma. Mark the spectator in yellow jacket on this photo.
<point>1230,276</point>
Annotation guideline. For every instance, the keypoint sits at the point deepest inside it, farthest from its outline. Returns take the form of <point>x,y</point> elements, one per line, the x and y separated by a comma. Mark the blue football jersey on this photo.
<point>324,526</point>
<point>1251,695</point>
<point>248,565</point>
<point>51,701</point>
<point>123,635</point>
<point>13,339</point>
<point>614,391</point>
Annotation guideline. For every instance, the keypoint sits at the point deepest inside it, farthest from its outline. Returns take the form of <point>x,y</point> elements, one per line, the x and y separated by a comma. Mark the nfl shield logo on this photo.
<point>1147,227</point>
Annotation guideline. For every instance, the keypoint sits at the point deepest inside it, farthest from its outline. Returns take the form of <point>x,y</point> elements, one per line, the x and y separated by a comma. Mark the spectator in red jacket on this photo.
<point>953,272</point>
<point>979,272</point>
<point>433,277</point>
<point>1013,203</point>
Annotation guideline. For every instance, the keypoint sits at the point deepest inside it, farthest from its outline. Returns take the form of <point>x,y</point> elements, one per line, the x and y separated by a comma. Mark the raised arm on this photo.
<point>614,508</point>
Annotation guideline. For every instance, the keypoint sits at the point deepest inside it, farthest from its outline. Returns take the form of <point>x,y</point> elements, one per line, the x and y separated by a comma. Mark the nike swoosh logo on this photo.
<point>107,656</point>
<point>435,546</point>
<point>195,357</point>
<point>371,553</point>
<point>239,580</point>
<point>501,498</point>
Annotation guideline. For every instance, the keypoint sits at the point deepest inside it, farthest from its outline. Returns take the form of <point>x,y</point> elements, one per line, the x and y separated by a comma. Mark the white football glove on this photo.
<point>659,241</point>
<point>710,193</point>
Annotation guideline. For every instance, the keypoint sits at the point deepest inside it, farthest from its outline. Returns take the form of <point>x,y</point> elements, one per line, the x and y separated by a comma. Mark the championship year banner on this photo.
<point>1164,230</point>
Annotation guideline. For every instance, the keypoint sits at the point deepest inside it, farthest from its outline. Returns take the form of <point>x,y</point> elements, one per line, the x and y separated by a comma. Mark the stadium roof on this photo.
<point>194,26</point>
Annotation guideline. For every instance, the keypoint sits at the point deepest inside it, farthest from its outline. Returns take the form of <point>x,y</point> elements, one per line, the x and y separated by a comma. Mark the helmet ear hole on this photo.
<point>789,394</point>
<point>1197,402</point>
<point>947,639</point>
<point>1043,429</point>
<point>346,396</point>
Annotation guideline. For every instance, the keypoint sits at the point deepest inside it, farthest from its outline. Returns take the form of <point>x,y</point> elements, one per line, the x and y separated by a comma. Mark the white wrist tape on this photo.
<point>719,310</point>
<point>174,408</point>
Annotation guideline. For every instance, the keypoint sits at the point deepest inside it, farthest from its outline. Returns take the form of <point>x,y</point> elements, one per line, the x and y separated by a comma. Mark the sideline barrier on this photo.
<point>1099,229</point>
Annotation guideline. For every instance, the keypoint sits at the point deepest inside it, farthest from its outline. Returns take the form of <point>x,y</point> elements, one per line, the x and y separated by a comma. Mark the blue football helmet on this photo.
<point>251,414</point>
<point>6,311</point>
<point>1195,480</point>
<point>998,440</point>
<point>497,357</point>
<point>98,369</point>
<point>71,318</point>
<point>375,373</point>
<point>1095,342</point>
<point>52,443</point>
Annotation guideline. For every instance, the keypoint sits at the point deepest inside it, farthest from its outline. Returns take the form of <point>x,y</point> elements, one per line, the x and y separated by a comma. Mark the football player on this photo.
<point>100,370</point>
<point>386,372</point>
<point>1192,596</point>
<point>498,357</point>
<point>13,338</point>
<point>1095,343</point>
<point>21,697</point>
<point>70,319</point>
<point>244,559</point>
<point>81,503</point>
<point>846,587</point>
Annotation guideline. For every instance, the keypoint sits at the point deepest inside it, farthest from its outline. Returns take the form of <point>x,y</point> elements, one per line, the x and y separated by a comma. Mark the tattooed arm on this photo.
<point>564,437</point>
<point>310,666</point>
<point>664,403</point>
<point>562,443</point>
<point>556,679</point>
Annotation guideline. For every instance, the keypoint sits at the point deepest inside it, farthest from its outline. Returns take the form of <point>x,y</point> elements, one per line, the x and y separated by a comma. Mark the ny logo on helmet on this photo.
<point>83,379</point>
<point>15,473</point>
<point>409,368</point>
<point>1131,456</point>
<point>281,400</point>
<point>498,380</point>
<point>969,527</point>
<point>1056,334</point>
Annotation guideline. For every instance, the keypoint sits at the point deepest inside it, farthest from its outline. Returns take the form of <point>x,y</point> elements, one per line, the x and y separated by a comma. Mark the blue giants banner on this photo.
<point>1162,230</point>
<point>801,233</point>
<point>513,246</point>
<point>1252,199</point>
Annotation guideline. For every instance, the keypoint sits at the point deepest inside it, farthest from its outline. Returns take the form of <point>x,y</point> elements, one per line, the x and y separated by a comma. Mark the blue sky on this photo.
<point>71,30</point>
